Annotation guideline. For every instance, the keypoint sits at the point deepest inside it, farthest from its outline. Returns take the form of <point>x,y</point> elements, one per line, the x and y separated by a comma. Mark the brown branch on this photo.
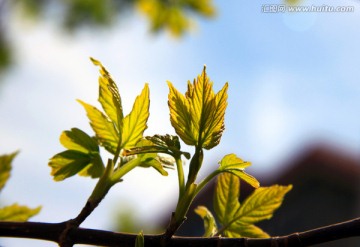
<point>64,239</point>
<point>51,232</point>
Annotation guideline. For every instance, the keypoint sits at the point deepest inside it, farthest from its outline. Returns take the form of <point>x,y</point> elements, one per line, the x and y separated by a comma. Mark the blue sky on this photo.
<point>293,78</point>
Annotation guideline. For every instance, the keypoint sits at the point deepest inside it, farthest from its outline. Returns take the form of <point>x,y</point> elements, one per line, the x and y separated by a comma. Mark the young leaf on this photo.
<point>16,212</point>
<point>261,204</point>
<point>5,168</point>
<point>109,96</point>
<point>167,144</point>
<point>112,130</point>
<point>226,199</point>
<point>198,117</point>
<point>136,122</point>
<point>233,164</point>
<point>231,161</point>
<point>152,160</point>
<point>207,110</point>
<point>139,242</point>
<point>82,156</point>
<point>209,221</point>
<point>105,130</point>
<point>71,162</point>
<point>237,220</point>
<point>76,139</point>
<point>249,231</point>
<point>180,116</point>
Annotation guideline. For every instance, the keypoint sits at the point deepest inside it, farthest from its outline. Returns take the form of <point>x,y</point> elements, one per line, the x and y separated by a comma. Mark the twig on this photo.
<point>51,232</point>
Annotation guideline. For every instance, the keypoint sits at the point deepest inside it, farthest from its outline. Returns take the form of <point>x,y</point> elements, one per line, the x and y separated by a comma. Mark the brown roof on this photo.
<point>322,160</point>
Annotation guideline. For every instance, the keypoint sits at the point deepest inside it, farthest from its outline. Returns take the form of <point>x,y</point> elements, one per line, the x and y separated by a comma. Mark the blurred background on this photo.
<point>293,100</point>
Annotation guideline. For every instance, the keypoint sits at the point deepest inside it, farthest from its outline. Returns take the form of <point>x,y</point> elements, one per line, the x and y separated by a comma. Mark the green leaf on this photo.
<point>226,199</point>
<point>246,177</point>
<point>139,242</point>
<point>82,156</point>
<point>231,161</point>
<point>104,128</point>
<point>152,160</point>
<point>198,117</point>
<point>209,221</point>
<point>248,231</point>
<point>112,130</point>
<point>173,16</point>
<point>167,144</point>
<point>136,122</point>
<point>109,96</point>
<point>16,212</point>
<point>233,164</point>
<point>71,162</point>
<point>165,141</point>
<point>261,204</point>
<point>207,110</point>
<point>5,168</point>
<point>237,220</point>
<point>76,139</point>
<point>180,116</point>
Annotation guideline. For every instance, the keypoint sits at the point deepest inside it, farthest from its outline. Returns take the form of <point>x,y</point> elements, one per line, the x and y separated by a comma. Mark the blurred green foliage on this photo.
<point>5,54</point>
<point>293,2</point>
<point>173,16</point>
<point>128,220</point>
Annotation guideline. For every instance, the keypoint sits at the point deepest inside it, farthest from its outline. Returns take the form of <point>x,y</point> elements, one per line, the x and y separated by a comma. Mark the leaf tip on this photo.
<point>94,61</point>
<point>201,211</point>
<point>169,83</point>
<point>289,187</point>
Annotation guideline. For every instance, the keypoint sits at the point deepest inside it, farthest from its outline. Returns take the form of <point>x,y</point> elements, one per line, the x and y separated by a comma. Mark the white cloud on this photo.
<point>271,121</point>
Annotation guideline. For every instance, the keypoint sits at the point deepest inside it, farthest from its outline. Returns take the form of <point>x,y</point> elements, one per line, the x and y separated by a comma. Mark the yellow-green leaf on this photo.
<point>109,96</point>
<point>76,139</point>
<point>104,128</point>
<point>207,110</point>
<point>82,156</point>
<point>5,168</point>
<point>261,204</point>
<point>209,221</point>
<point>245,231</point>
<point>71,162</point>
<point>173,15</point>
<point>151,160</point>
<point>136,122</point>
<point>202,101</point>
<point>17,212</point>
<point>226,199</point>
<point>235,165</point>
<point>231,161</point>
<point>245,177</point>
<point>167,144</point>
<point>205,7</point>
<point>198,117</point>
<point>213,131</point>
<point>180,117</point>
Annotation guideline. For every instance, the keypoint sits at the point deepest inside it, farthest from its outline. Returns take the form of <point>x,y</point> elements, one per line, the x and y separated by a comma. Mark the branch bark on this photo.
<point>52,231</point>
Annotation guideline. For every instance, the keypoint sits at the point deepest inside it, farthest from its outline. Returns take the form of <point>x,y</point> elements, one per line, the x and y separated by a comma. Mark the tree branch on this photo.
<point>51,232</point>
